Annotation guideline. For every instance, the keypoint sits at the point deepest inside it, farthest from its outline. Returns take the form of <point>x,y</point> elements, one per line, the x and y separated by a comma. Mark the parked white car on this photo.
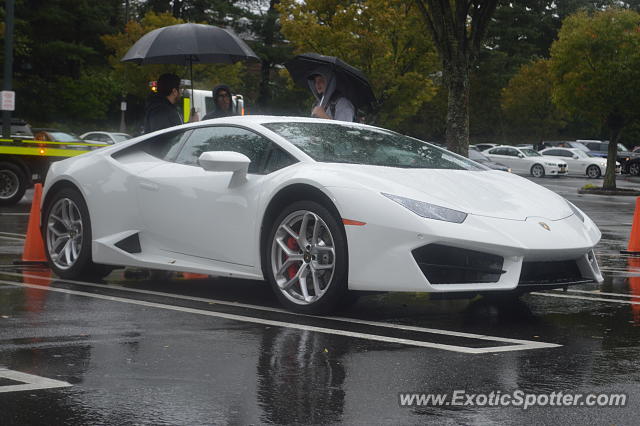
<point>579,162</point>
<point>107,137</point>
<point>526,160</point>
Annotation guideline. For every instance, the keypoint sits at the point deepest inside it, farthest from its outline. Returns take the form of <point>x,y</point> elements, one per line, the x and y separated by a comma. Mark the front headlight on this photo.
<point>429,211</point>
<point>575,210</point>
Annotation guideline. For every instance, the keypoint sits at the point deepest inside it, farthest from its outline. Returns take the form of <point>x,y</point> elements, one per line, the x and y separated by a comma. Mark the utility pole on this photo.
<point>123,103</point>
<point>8,67</point>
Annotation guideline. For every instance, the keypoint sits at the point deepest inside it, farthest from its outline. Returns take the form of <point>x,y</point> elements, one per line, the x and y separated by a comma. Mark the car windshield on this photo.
<point>345,143</point>
<point>530,152</point>
<point>121,137</point>
<point>64,137</point>
<point>622,148</point>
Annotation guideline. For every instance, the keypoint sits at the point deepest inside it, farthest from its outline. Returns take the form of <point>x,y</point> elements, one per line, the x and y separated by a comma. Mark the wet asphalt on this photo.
<point>171,350</point>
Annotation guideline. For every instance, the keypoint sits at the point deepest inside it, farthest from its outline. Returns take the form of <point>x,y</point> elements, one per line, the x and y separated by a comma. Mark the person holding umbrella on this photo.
<point>160,111</point>
<point>330,102</point>
<point>339,88</point>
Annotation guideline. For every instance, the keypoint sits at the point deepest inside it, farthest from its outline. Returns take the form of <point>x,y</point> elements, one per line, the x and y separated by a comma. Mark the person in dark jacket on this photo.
<point>160,111</point>
<point>223,105</point>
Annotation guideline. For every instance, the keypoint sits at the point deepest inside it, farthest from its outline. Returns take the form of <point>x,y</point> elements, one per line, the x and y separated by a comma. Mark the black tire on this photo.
<point>13,183</point>
<point>537,171</point>
<point>83,266</point>
<point>593,172</point>
<point>336,292</point>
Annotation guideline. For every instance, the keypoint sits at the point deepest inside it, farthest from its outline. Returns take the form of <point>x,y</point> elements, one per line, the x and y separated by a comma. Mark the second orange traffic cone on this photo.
<point>634,239</point>
<point>33,251</point>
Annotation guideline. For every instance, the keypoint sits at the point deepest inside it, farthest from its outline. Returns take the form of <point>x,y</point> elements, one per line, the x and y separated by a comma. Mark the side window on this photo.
<point>219,138</point>
<point>511,152</point>
<point>555,152</point>
<point>166,145</point>
<point>565,153</point>
<point>497,151</point>
<point>278,159</point>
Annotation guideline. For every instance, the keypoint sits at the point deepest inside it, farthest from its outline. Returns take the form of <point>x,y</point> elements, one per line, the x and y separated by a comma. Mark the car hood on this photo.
<point>483,193</point>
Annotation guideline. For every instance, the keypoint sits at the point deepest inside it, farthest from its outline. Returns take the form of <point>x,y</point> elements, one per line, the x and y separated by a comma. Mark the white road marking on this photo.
<point>30,382</point>
<point>11,238</point>
<point>602,293</point>
<point>597,299</point>
<point>520,344</point>
<point>13,234</point>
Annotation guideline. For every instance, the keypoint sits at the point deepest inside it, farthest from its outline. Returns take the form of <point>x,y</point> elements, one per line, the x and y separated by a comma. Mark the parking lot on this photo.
<point>219,351</point>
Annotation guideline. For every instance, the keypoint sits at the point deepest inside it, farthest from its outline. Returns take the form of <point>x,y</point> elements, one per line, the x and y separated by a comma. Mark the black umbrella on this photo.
<point>184,44</point>
<point>350,81</point>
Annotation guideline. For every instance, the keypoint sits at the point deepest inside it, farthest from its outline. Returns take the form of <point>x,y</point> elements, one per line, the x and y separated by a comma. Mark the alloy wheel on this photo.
<point>593,172</point>
<point>303,258</point>
<point>64,233</point>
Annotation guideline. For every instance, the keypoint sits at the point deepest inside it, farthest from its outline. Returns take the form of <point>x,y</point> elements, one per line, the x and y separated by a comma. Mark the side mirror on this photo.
<point>520,155</point>
<point>226,161</point>
<point>574,156</point>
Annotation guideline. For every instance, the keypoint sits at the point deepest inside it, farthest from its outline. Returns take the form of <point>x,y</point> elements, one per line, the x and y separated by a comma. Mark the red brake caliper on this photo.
<point>293,269</point>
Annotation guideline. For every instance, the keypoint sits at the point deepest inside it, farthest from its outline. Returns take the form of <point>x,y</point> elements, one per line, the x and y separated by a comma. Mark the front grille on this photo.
<point>442,264</point>
<point>550,273</point>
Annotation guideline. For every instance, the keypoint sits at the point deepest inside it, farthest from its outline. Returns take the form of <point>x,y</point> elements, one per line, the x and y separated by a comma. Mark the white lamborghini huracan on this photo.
<point>318,208</point>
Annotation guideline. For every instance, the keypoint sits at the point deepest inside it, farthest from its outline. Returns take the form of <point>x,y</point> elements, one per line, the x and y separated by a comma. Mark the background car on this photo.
<point>601,149</point>
<point>526,160</point>
<point>479,157</point>
<point>579,162</point>
<point>318,208</point>
<point>485,146</point>
<point>107,137</point>
<point>20,129</point>
<point>565,144</point>
<point>54,135</point>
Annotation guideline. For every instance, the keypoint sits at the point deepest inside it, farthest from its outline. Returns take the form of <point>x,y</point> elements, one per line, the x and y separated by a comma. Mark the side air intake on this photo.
<point>131,244</point>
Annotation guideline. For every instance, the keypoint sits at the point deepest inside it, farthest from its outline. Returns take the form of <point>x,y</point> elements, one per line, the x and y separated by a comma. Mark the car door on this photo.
<point>497,155</point>
<point>517,164</point>
<point>195,212</point>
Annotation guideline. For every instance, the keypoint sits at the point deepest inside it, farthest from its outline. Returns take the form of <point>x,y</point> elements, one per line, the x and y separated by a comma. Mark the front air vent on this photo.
<point>550,273</point>
<point>442,264</point>
<point>131,244</point>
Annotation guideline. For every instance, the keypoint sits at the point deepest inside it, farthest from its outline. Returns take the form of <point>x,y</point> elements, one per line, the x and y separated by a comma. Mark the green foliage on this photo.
<point>383,38</point>
<point>527,104</point>
<point>596,65</point>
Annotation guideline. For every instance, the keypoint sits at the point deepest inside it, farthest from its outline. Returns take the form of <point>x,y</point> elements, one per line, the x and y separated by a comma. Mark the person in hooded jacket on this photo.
<point>331,104</point>
<point>223,105</point>
<point>160,111</point>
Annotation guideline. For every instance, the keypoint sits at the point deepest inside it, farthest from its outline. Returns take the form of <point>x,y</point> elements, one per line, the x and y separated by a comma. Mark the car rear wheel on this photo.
<point>634,168</point>
<point>306,256</point>
<point>13,184</point>
<point>67,236</point>
<point>537,171</point>
<point>593,171</point>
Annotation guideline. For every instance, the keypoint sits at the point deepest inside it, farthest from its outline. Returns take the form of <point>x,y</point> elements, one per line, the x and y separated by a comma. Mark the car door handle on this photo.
<point>149,186</point>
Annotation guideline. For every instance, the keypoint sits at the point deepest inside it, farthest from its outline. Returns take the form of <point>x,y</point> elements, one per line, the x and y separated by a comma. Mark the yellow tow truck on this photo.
<point>25,161</point>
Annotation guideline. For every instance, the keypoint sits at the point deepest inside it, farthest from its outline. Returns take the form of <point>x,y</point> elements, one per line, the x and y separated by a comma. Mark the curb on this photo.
<point>618,191</point>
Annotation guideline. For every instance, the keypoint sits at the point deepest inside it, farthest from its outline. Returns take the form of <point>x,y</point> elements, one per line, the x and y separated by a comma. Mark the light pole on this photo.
<point>8,63</point>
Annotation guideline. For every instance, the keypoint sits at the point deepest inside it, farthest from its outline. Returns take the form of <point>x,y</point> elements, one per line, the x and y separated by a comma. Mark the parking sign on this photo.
<point>7,100</point>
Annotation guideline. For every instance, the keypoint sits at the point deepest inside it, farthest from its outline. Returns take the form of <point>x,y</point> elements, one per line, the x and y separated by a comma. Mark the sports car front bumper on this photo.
<point>510,253</point>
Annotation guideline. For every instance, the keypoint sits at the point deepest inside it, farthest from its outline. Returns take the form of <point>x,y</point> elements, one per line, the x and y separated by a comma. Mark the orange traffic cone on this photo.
<point>33,251</point>
<point>634,239</point>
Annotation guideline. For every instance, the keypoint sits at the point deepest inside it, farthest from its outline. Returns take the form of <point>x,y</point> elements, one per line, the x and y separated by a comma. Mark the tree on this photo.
<point>527,104</point>
<point>457,28</point>
<point>380,37</point>
<point>595,65</point>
